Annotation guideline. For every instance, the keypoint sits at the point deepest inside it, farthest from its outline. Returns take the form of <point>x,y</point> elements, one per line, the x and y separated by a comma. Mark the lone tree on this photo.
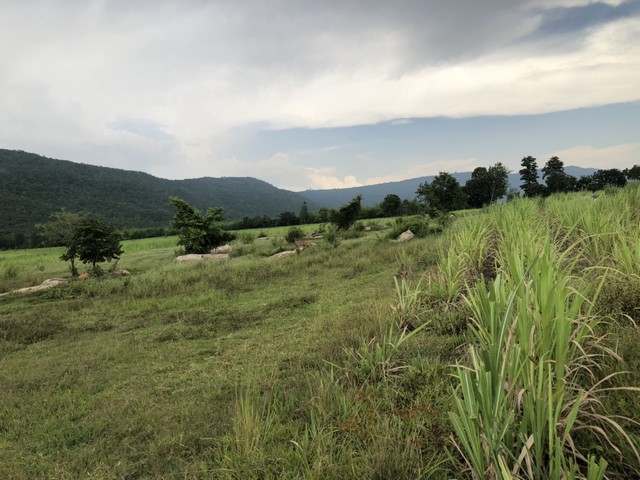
<point>442,195</point>
<point>556,178</point>
<point>529,177</point>
<point>486,186</point>
<point>347,215</point>
<point>304,216</point>
<point>391,205</point>
<point>95,241</point>
<point>198,233</point>
<point>60,231</point>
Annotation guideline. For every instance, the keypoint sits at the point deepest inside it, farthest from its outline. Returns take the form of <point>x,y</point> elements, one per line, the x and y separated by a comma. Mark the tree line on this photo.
<point>487,185</point>
<point>558,181</point>
<point>391,206</point>
<point>442,195</point>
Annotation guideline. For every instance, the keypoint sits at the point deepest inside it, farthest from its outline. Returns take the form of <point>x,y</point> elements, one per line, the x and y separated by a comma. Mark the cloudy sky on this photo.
<point>321,94</point>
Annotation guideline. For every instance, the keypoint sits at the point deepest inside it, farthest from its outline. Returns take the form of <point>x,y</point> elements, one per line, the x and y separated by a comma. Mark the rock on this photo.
<point>49,283</point>
<point>221,249</point>
<point>286,253</point>
<point>193,257</point>
<point>54,282</point>
<point>302,244</point>
<point>405,236</point>
<point>120,273</point>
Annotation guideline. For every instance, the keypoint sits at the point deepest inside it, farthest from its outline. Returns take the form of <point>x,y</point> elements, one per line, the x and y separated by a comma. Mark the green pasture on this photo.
<point>503,347</point>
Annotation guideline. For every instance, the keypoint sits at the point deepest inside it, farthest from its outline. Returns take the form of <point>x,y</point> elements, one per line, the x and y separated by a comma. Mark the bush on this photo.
<point>246,238</point>
<point>352,233</point>
<point>331,235</point>
<point>293,234</point>
<point>347,215</point>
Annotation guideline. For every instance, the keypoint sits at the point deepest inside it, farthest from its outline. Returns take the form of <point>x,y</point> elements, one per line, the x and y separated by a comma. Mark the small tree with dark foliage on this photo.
<point>60,230</point>
<point>96,241</point>
<point>391,206</point>
<point>198,233</point>
<point>444,194</point>
<point>632,173</point>
<point>347,214</point>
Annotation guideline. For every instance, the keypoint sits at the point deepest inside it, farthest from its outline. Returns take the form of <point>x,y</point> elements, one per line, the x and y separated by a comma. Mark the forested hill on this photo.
<point>32,187</point>
<point>405,189</point>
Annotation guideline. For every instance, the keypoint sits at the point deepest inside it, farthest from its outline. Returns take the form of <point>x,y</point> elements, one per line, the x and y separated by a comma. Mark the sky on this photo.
<point>312,94</point>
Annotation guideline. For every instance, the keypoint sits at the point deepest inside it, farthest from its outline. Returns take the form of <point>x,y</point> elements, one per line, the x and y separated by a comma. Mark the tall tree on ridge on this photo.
<point>529,177</point>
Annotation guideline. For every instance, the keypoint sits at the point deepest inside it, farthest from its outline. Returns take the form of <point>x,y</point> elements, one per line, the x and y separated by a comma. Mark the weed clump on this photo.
<point>293,234</point>
<point>621,296</point>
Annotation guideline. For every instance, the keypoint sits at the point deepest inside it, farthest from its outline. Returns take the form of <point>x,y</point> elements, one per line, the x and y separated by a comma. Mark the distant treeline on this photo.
<point>443,194</point>
<point>391,206</point>
<point>486,186</point>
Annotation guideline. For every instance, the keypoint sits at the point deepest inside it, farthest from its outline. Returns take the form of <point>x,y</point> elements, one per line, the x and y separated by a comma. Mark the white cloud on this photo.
<point>323,178</point>
<point>281,171</point>
<point>615,156</point>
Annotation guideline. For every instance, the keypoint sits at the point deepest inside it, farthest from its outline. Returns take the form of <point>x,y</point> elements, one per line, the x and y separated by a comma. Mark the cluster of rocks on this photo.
<point>218,253</point>
<point>54,282</point>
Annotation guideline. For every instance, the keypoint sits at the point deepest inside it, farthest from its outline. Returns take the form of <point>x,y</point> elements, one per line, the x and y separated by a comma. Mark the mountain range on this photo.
<point>32,187</point>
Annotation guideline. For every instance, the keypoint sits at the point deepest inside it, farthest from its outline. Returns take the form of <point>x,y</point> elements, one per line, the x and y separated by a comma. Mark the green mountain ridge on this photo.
<point>32,187</point>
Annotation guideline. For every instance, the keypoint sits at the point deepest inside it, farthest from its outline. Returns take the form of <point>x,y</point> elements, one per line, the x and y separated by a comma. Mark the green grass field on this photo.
<point>307,366</point>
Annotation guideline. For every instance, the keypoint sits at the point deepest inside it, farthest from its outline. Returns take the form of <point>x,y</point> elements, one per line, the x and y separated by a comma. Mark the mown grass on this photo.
<point>144,376</point>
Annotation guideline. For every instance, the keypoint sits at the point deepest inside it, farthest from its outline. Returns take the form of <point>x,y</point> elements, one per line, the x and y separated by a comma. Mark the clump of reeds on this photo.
<point>535,376</point>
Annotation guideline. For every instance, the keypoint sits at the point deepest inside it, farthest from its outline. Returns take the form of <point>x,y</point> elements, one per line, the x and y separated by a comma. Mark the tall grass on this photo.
<point>537,376</point>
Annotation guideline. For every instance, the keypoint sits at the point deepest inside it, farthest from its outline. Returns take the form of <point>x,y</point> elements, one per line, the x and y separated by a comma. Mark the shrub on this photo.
<point>10,272</point>
<point>346,216</point>
<point>331,235</point>
<point>352,233</point>
<point>293,234</point>
<point>246,238</point>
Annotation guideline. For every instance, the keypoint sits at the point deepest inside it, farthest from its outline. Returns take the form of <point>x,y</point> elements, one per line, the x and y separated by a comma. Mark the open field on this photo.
<point>340,361</point>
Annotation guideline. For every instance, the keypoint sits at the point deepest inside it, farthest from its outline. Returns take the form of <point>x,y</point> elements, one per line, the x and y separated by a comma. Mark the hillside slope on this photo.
<point>32,187</point>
